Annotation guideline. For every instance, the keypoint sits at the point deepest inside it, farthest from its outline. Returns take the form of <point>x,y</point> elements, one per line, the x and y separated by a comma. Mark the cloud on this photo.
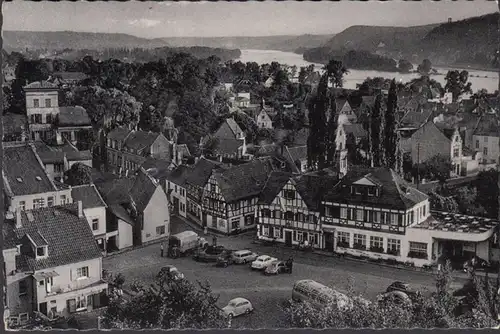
<point>145,23</point>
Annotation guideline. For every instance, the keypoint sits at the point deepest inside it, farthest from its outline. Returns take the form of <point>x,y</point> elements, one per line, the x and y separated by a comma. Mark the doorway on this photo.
<point>176,206</point>
<point>288,238</point>
<point>42,307</point>
<point>329,241</point>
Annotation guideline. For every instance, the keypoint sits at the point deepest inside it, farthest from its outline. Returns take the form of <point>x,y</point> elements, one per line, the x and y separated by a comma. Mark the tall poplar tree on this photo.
<point>317,119</point>
<point>375,130</point>
<point>331,132</point>
<point>389,133</point>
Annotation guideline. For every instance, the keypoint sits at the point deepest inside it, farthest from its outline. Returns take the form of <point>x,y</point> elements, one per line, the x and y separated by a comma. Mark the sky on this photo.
<point>153,19</point>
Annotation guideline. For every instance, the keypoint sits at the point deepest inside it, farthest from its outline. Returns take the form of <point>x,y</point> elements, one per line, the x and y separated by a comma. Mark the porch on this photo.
<point>458,251</point>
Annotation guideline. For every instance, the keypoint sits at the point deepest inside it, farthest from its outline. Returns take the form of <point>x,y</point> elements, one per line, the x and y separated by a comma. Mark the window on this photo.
<point>359,214</point>
<point>41,283</point>
<point>48,118</point>
<point>277,214</point>
<point>377,243</point>
<point>47,103</point>
<point>81,303</point>
<point>485,139</point>
<point>266,213</point>
<point>371,191</point>
<point>249,220</point>
<point>63,199</point>
<point>50,201</point>
<point>95,224</point>
<point>456,152</point>
<point>394,219</point>
<point>38,118</point>
<point>393,246</point>
<point>418,250</point>
<point>23,288</point>
<point>312,219</point>
<point>22,205</point>
<point>343,239</point>
<point>343,213</point>
<point>58,168</point>
<point>477,143</point>
<point>175,188</point>
<point>265,231</point>
<point>289,194</point>
<point>300,217</point>
<point>40,251</point>
<point>277,232</point>
<point>376,216</point>
<point>423,210</point>
<point>160,230</point>
<point>38,203</point>
<point>289,215</point>
<point>235,224</point>
<point>82,272</point>
<point>359,240</point>
<point>485,151</point>
<point>357,190</point>
<point>36,103</point>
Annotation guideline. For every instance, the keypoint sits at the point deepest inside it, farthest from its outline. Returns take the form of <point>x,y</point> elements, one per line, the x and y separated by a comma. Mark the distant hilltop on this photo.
<point>471,41</point>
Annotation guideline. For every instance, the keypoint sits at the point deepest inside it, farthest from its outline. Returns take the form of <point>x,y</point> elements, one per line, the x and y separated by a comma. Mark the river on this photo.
<point>479,79</point>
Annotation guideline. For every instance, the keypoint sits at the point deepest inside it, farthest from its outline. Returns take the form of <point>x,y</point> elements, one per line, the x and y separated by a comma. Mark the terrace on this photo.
<point>455,222</point>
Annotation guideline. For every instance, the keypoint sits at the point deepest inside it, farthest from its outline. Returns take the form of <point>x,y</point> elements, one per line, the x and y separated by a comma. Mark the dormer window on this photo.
<point>289,194</point>
<point>371,191</point>
<point>357,190</point>
<point>41,251</point>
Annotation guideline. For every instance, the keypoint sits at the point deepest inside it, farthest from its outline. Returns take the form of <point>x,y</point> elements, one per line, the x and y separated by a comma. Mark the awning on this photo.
<point>44,275</point>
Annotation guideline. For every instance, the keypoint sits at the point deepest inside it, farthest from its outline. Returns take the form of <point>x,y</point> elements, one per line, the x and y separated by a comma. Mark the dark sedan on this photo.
<point>209,254</point>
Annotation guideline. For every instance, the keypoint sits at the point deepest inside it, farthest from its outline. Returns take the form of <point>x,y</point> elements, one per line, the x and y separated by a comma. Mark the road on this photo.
<point>266,293</point>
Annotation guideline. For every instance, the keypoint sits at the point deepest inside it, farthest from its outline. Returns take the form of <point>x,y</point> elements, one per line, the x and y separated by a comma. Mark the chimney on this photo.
<point>80,209</point>
<point>19,223</point>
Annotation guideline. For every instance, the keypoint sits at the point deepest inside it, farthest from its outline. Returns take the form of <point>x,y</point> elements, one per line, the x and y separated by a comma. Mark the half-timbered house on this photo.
<point>230,196</point>
<point>369,211</point>
<point>289,208</point>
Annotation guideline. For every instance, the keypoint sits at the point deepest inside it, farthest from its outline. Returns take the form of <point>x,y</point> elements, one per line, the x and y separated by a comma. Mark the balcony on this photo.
<point>80,287</point>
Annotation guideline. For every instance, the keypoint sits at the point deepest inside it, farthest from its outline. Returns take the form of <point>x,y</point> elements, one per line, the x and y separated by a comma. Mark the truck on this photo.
<point>184,243</point>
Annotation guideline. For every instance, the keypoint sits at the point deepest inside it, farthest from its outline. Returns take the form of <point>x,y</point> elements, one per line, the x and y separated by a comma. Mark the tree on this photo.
<point>169,303</point>
<point>78,174</point>
<point>331,133</point>
<point>317,119</point>
<point>389,137</point>
<point>456,83</point>
<point>336,71</point>
<point>405,66</point>
<point>438,168</point>
<point>486,185</point>
<point>375,132</point>
<point>425,67</point>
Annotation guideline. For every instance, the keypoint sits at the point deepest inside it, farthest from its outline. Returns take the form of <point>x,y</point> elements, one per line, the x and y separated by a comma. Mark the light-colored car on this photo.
<point>244,256</point>
<point>262,262</point>
<point>175,272</point>
<point>237,306</point>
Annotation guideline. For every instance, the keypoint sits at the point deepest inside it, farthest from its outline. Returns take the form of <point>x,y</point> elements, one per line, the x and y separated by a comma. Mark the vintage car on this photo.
<point>262,262</point>
<point>277,267</point>
<point>237,306</point>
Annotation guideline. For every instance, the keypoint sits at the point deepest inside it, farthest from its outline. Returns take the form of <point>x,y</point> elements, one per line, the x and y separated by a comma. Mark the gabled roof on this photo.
<point>293,154</point>
<point>41,85</point>
<point>430,129</point>
<point>487,126</point>
<point>178,175</point>
<point>245,180</point>
<point>415,119</point>
<point>69,238</point>
<point>228,146</point>
<point>274,183</point>
<point>51,157</point>
<point>119,133</point>
<point>235,128</point>
<point>183,148</point>
<point>395,193</point>
<point>89,196</point>
<point>312,187</point>
<point>356,130</point>
<point>340,103</point>
<point>138,140</point>
<point>200,173</point>
<point>115,191</point>
<point>24,173</point>
<point>142,190</point>
<point>79,155</point>
<point>73,116</point>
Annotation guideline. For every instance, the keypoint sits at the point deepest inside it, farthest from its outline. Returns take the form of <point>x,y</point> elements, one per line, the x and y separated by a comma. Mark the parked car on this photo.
<point>209,254</point>
<point>173,270</point>
<point>277,267</point>
<point>403,287</point>
<point>237,306</point>
<point>396,295</point>
<point>262,262</point>
<point>244,256</point>
<point>225,259</point>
